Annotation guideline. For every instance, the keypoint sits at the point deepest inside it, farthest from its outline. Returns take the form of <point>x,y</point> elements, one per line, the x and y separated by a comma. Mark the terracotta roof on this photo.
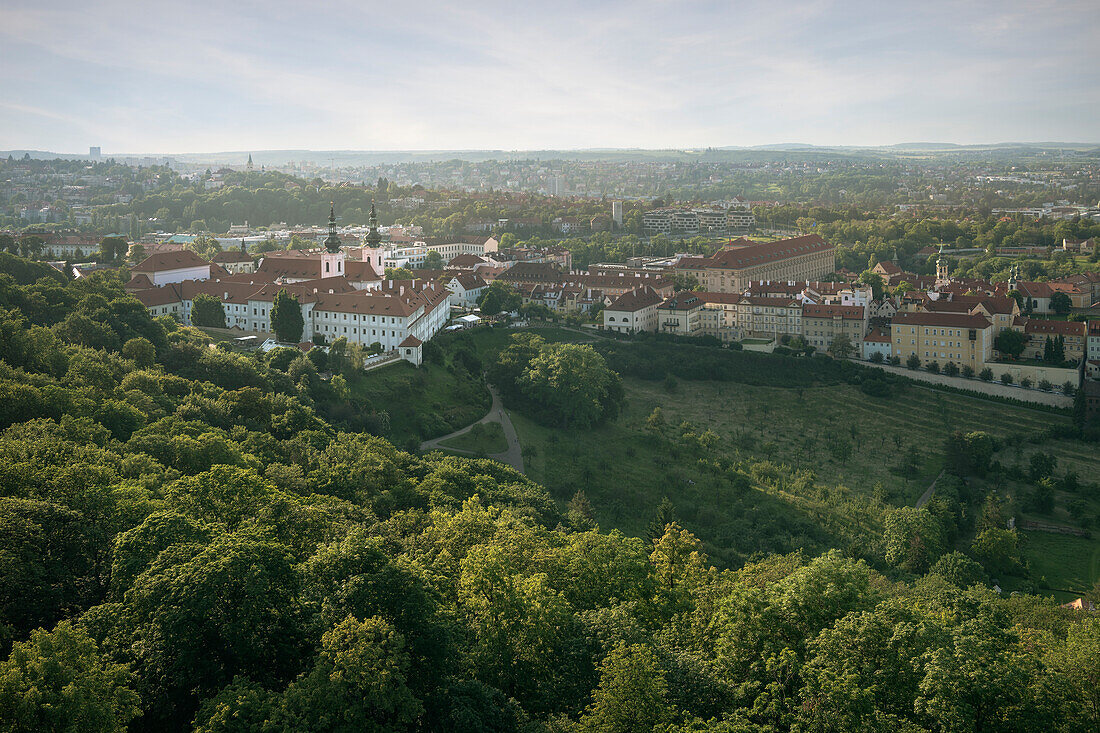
<point>876,336</point>
<point>770,301</point>
<point>1055,328</point>
<point>709,297</point>
<point>140,281</point>
<point>951,320</point>
<point>1035,290</point>
<point>636,300</point>
<point>231,255</point>
<point>166,261</point>
<point>531,272</point>
<point>684,300</point>
<point>158,296</point>
<point>755,253</point>
<point>364,303</point>
<point>889,268</point>
<point>465,261</point>
<point>295,267</point>
<point>410,342</point>
<point>360,271</point>
<point>469,280</point>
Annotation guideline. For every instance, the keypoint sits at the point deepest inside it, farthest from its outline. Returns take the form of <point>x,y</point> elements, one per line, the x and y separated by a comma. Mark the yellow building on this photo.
<point>966,340</point>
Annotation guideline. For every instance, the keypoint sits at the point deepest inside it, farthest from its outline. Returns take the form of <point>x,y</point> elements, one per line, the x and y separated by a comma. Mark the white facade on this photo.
<point>170,277</point>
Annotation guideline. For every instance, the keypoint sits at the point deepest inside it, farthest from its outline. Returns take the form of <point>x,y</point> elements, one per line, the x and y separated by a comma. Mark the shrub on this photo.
<point>877,358</point>
<point>1026,382</point>
<point>968,371</point>
<point>933,367</point>
<point>895,360</point>
<point>1045,385</point>
<point>1006,378</point>
<point>1068,388</point>
<point>913,362</point>
<point>951,369</point>
<point>986,375</point>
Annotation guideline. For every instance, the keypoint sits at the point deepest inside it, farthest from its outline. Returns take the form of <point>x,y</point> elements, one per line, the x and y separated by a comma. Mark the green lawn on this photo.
<point>1062,563</point>
<point>482,439</point>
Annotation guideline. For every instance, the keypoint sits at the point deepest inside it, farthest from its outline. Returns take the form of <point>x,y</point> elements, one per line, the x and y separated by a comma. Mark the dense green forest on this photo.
<point>189,543</point>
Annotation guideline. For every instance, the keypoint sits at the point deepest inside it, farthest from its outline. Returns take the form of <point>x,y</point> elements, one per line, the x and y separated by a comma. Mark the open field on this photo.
<point>1063,564</point>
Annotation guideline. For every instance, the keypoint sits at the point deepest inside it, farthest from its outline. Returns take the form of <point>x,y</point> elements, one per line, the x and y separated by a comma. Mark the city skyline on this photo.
<point>427,76</point>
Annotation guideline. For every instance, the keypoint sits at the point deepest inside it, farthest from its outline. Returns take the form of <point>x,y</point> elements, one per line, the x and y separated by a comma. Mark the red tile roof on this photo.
<point>755,253</point>
<point>951,320</point>
<point>167,261</point>
<point>635,300</point>
<point>231,255</point>
<point>1055,328</point>
<point>876,336</point>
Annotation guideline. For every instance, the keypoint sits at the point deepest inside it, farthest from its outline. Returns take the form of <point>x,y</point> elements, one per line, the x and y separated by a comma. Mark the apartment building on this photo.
<point>1074,336</point>
<point>823,324</point>
<point>633,311</point>
<point>966,340</point>
<point>762,317</point>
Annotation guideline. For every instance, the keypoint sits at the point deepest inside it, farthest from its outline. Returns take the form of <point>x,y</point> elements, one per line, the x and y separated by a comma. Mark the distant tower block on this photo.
<point>617,213</point>
<point>95,152</point>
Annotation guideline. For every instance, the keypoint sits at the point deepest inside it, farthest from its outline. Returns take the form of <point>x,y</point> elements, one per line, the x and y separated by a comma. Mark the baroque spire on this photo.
<point>332,241</point>
<point>373,237</point>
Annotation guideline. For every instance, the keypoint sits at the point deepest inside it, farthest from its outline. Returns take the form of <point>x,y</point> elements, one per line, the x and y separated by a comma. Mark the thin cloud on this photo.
<point>428,75</point>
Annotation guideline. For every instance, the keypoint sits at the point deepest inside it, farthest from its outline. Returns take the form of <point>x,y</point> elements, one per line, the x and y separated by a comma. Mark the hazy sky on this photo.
<point>357,74</point>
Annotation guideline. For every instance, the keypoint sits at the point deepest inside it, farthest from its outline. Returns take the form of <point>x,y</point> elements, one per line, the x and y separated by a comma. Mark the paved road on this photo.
<point>513,456</point>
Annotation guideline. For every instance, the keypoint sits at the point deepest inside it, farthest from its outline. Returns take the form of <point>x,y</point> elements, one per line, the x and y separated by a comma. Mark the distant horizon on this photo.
<point>766,147</point>
<point>490,75</point>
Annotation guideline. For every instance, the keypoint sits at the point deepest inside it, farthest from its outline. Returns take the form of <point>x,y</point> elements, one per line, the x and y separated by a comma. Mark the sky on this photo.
<point>180,77</point>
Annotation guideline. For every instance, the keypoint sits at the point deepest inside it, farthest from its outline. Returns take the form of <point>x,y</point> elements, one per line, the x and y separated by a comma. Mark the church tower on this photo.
<point>248,165</point>
<point>372,244</point>
<point>373,237</point>
<point>942,277</point>
<point>332,257</point>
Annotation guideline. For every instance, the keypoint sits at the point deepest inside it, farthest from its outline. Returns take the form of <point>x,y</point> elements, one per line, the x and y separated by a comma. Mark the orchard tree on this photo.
<point>286,318</point>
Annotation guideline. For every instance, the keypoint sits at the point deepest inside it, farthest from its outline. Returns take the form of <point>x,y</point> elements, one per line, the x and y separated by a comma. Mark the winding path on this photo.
<point>927,495</point>
<point>513,456</point>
